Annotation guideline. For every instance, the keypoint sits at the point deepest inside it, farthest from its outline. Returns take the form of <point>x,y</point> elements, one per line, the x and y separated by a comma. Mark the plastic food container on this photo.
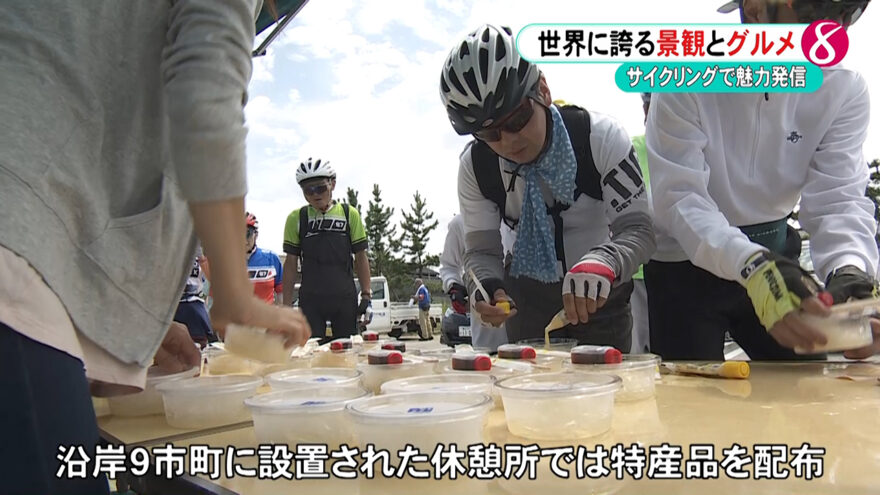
<point>208,401</point>
<point>420,419</point>
<point>221,362</point>
<point>149,401</point>
<point>442,354</point>
<point>527,354</point>
<point>556,344</point>
<point>341,354</point>
<point>256,343</point>
<point>377,374</point>
<point>315,377</point>
<point>558,406</point>
<point>472,383</point>
<point>844,332</point>
<point>305,414</point>
<point>636,371</point>
<point>295,363</point>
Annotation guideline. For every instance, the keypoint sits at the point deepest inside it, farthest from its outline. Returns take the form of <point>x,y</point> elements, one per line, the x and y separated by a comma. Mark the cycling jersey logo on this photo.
<point>794,137</point>
<point>825,43</point>
<point>325,225</point>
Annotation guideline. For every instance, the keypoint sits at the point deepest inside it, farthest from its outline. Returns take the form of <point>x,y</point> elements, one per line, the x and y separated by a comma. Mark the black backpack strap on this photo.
<point>488,176</point>
<point>577,122</point>
<point>345,208</point>
<point>303,224</point>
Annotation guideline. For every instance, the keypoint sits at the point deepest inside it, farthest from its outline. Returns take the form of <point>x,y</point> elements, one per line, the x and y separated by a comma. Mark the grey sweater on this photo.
<point>113,115</point>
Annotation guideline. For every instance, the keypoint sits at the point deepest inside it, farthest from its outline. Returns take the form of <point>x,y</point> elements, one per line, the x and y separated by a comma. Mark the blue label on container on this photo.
<point>322,379</point>
<point>313,402</point>
<point>419,410</point>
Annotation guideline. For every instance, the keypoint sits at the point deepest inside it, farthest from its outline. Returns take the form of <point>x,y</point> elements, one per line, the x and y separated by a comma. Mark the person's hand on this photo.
<point>177,352</point>
<point>459,296</point>
<point>489,311</point>
<point>777,287</point>
<point>585,289</point>
<point>850,282</point>
<point>365,311</point>
<point>253,311</point>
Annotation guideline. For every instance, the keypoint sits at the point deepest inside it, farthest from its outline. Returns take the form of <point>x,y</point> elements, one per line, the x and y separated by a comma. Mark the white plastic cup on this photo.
<point>305,414</point>
<point>843,332</point>
<point>149,401</point>
<point>377,374</point>
<point>637,373</point>
<point>314,377</point>
<point>422,420</point>
<point>558,406</point>
<point>208,401</point>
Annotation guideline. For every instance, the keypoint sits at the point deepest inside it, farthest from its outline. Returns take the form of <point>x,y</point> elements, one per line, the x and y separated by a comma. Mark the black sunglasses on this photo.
<point>316,189</point>
<point>514,122</point>
<point>250,232</point>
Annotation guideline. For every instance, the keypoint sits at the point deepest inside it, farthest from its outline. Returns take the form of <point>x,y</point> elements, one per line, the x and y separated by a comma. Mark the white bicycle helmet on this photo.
<point>313,170</point>
<point>807,11</point>
<point>485,78</point>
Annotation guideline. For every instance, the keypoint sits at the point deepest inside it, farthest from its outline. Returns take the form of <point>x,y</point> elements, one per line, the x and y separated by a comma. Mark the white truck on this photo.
<point>396,318</point>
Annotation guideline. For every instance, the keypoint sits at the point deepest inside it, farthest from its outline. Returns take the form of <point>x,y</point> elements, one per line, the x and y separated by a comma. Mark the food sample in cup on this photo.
<point>370,336</point>
<point>208,401</point>
<point>256,343</point>
<point>384,356</point>
<point>842,331</point>
<point>595,354</point>
<point>558,406</point>
<point>471,362</point>
<point>516,351</point>
<point>422,420</point>
<point>394,346</point>
<point>305,414</point>
<point>315,377</point>
<point>636,371</point>
<point>148,401</point>
<point>383,366</point>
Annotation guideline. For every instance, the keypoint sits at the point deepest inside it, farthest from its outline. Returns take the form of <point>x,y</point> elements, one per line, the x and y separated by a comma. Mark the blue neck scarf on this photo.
<point>534,253</point>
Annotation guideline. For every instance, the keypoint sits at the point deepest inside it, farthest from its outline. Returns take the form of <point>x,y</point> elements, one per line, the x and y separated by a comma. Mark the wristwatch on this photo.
<point>366,294</point>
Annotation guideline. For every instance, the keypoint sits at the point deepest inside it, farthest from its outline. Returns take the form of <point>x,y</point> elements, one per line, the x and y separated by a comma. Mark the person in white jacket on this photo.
<point>453,275</point>
<point>726,170</point>
<point>566,179</point>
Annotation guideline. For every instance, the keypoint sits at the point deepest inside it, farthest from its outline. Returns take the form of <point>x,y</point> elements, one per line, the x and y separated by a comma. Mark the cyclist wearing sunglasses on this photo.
<point>566,179</point>
<point>325,234</point>
<point>726,170</point>
<point>264,266</point>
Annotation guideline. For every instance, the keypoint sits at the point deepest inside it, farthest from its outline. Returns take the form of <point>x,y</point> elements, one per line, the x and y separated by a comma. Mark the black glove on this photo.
<point>491,285</point>
<point>458,295</point>
<point>850,282</point>
<point>365,303</point>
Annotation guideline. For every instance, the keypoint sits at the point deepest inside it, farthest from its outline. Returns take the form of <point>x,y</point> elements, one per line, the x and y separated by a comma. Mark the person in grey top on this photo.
<point>121,133</point>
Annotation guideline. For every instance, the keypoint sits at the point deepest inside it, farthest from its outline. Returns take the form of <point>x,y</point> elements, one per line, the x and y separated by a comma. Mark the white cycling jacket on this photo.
<point>719,161</point>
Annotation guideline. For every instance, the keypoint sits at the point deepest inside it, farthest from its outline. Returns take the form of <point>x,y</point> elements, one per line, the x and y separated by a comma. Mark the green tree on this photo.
<point>352,198</point>
<point>417,226</point>
<point>381,235</point>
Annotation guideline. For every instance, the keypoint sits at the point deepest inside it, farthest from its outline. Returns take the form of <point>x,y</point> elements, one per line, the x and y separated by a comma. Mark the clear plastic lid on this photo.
<point>630,362</point>
<point>556,344</point>
<point>467,383</point>
<point>211,385</point>
<point>547,384</point>
<point>306,399</point>
<point>418,407</point>
<point>314,376</point>
<point>156,376</point>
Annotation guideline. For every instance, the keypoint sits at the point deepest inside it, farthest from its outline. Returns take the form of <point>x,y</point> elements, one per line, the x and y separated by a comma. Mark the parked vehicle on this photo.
<point>396,318</point>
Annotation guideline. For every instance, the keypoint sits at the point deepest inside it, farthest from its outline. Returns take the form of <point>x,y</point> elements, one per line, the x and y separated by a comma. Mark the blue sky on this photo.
<point>357,83</point>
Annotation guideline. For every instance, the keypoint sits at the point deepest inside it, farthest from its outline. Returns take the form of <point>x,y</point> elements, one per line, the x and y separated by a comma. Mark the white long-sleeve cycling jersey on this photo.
<point>722,161</point>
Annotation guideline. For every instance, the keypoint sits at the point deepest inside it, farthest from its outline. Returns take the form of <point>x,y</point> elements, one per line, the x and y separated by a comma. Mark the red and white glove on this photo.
<point>590,279</point>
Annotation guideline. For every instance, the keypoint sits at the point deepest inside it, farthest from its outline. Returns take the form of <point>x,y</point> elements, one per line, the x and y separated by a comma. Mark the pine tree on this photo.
<point>417,226</point>
<point>352,198</point>
<point>381,234</point>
